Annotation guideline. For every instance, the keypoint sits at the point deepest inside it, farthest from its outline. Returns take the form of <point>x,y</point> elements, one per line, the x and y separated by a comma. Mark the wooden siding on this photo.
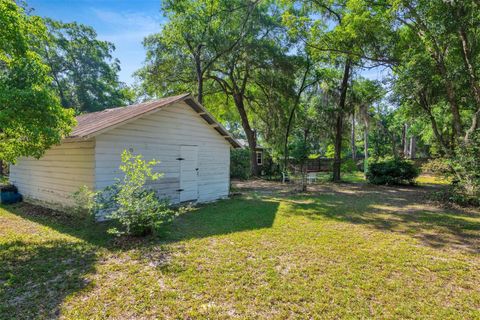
<point>159,136</point>
<point>53,178</point>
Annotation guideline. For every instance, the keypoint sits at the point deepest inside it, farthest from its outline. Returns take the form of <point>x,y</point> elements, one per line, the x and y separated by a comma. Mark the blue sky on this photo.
<point>123,22</point>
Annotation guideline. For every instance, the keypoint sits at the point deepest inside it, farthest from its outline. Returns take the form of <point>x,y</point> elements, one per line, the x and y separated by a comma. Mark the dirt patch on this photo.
<point>263,186</point>
<point>400,209</point>
<point>356,189</point>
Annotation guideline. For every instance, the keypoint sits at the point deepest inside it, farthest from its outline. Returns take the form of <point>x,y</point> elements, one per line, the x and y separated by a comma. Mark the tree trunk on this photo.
<point>199,85</point>
<point>303,167</point>
<point>413,147</point>
<point>394,146</point>
<point>198,66</point>
<point>406,147</point>
<point>287,134</point>
<point>456,120</point>
<point>290,118</point>
<point>438,135</point>
<point>251,138</point>
<point>252,143</point>
<point>391,136</point>
<point>303,174</point>
<point>473,82</point>
<point>337,161</point>
<point>354,147</point>
<point>365,151</point>
<point>457,123</point>
<point>200,90</point>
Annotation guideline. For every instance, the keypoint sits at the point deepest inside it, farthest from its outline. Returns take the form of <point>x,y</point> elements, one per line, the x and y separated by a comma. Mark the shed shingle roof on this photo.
<point>92,124</point>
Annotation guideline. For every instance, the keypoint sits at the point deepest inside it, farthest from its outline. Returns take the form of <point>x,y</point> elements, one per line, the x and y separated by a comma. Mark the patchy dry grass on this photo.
<point>339,251</point>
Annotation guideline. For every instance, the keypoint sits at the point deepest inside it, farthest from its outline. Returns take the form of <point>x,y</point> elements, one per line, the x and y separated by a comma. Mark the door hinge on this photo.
<point>180,158</point>
<point>180,190</point>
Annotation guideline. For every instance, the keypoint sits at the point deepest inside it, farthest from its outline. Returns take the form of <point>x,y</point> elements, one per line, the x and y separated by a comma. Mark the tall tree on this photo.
<point>441,37</point>
<point>364,94</point>
<point>219,45</point>
<point>345,34</point>
<point>31,117</point>
<point>305,76</point>
<point>84,72</point>
<point>196,35</point>
<point>324,40</point>
<point>235,73</point>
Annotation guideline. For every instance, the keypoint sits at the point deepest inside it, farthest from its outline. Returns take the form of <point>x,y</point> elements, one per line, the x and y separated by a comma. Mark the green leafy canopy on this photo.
<point>31,117</point>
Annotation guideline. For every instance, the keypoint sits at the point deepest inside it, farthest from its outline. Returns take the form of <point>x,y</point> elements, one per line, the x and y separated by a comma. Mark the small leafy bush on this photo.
<point>392,172</point>
<point>3,180</point>
<point>84,200</point>
<point>270,168</point>
<point>466,165</point>
<point>129,202</point>
<point>136,209</point>
<point>240,164</point>
<point>349,166</point>
<point>438,167</point>
<point>452,195</point>
<point>463,169</point>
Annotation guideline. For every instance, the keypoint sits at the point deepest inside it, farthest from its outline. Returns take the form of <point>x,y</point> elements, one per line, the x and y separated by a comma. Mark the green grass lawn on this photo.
<point>340,251</point>
<point>432,179</point>
<point>358,177</point>
<point>349,177</point>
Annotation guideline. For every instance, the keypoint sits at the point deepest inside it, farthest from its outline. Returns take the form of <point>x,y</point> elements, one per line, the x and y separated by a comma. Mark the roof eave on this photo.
<point>208,117</point>
<point>189,100</point>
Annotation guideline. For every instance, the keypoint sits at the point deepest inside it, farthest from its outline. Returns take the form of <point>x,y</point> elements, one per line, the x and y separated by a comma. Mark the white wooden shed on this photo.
<point>194,150</point>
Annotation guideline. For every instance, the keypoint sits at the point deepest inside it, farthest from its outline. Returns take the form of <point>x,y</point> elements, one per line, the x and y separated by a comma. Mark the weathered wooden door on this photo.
<point>188,173</point>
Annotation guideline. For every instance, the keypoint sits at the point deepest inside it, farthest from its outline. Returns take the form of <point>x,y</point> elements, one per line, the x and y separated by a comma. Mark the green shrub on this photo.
<point>463,169</point>
<point>392,172</point>
<point>135,208</point>
<point>3,180</point>
<point>466,165</point>
<point>270,168</point>
<point>84,199</point>
<point>240,164</point>
<point>452,194</point>
<point>438,167</point>
<point>348,166</point>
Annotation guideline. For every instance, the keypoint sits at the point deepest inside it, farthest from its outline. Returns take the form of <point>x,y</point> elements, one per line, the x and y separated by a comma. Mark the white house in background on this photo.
<point>194,150</point>
<point>259,151</point>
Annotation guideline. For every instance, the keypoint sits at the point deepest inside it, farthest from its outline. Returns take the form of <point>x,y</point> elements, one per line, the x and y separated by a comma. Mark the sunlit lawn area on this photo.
<point>340,251</point>
<point>355,177</point>
<point>349,177</point>
<point>432,179</point>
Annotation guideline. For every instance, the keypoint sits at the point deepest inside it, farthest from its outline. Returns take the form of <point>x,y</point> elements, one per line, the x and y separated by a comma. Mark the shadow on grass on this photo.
<point>35,277</point>
<point>399,210</point>
<point>84,229</point>
<point>223,217</point>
